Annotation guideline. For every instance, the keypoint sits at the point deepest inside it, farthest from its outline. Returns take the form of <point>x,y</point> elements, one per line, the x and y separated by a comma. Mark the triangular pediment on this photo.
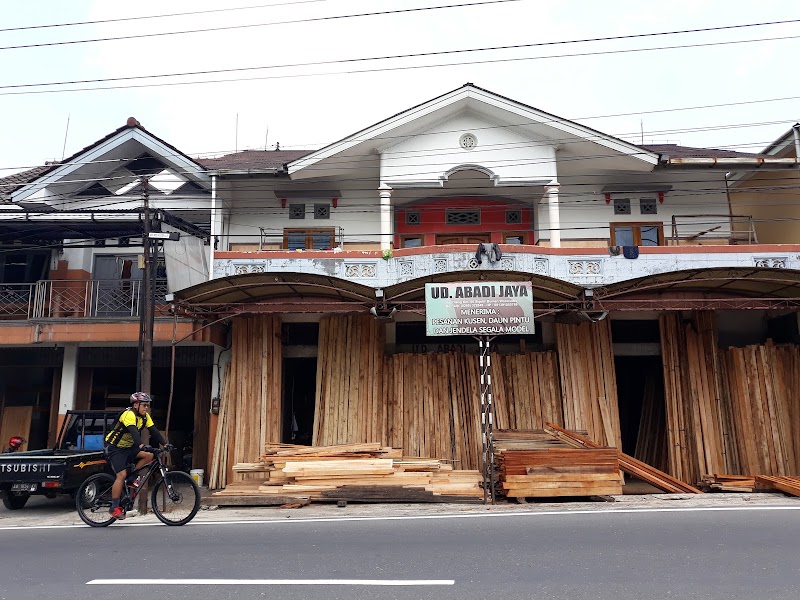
<point>500,115</point>
<point>115,166</point>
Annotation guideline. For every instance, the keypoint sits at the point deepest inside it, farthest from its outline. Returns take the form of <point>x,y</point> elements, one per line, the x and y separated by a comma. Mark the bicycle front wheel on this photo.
<point>175,499</point>
<point>93,500</point>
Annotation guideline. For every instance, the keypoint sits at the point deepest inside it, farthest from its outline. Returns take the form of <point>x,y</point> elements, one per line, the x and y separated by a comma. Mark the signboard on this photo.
<point>479,308</point>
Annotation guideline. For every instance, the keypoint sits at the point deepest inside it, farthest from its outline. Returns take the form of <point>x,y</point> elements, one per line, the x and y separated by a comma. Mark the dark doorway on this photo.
<point>640,391</point>
<point>299,396</point>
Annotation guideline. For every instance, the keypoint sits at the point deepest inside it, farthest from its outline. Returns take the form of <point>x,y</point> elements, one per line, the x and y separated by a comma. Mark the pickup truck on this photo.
<point>77,455</point>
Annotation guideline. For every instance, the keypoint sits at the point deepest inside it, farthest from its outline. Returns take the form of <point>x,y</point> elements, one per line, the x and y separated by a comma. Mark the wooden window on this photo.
<point>637,234</point>
<point>411,241</point>
<point>309,239</point>
<point>515,237</point>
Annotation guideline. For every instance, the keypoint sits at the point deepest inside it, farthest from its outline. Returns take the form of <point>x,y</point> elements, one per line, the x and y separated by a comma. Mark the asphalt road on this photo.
<point>605,555</point>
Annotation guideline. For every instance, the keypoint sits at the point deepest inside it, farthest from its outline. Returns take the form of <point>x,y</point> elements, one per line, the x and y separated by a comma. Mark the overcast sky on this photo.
<point>306,107</point>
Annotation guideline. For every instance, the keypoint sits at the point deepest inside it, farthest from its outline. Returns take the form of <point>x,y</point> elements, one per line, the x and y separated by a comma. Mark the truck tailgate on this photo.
<point>39,467</point>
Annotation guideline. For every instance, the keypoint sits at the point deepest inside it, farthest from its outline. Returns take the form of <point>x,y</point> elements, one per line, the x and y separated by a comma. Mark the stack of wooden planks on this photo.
<point>630,465</point>
<point>696,416</point>
<point>728,483</point>
<point>588,380</point>
<point>756,483</point>
<point>355,472</point>
<point>550,467</point>
<point>729,410</point>
<point>427,404</point>
<point>788,485</point>
<point>761,389</point>
<point>526,390</point>
<point>218,472</point>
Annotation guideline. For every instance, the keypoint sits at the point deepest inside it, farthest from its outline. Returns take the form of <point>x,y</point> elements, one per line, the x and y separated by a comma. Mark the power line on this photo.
<point>252,25</point>
<point>598,136</point>
<point>168,15</point>
<point>399,68</point>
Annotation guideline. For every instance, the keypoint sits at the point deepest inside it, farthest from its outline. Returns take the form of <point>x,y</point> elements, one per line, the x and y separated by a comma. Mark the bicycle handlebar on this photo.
<point>154,450</point>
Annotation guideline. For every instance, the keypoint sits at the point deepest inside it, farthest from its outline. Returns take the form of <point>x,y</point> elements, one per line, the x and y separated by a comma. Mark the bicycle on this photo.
<point>175,497</point>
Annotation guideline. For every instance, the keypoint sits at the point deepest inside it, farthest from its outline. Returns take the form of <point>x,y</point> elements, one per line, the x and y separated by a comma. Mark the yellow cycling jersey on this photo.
<point>119,435</point>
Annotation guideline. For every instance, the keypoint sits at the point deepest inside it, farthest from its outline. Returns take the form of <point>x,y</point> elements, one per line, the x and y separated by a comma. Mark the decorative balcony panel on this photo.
<point>584,267</point>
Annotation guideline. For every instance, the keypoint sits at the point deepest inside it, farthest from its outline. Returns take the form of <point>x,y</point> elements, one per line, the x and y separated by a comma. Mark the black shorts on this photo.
<point>120,458</point>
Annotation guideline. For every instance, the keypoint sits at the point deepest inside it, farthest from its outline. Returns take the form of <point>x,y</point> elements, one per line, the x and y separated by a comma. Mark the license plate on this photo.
<point>24,487</point>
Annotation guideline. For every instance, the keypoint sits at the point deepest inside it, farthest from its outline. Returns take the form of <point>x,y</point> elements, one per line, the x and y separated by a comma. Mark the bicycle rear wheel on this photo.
<point>93,500</point>
<point>175,499</point>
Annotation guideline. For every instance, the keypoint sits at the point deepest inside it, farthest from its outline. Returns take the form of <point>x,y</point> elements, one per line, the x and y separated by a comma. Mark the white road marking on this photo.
<point>376,582</point>
<point>480,515</point>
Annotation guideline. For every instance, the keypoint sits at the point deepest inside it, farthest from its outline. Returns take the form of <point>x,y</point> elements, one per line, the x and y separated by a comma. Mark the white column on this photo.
<point>386,216</point>
<point>551,191</point>
<point>69,379</point>
<point>216,226</point>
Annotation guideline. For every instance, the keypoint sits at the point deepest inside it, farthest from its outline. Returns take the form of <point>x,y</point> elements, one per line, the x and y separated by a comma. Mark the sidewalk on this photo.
<point>43,512</point>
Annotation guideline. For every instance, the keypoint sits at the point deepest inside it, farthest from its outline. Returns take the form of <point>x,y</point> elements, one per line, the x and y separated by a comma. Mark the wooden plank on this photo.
<point>16,421</point>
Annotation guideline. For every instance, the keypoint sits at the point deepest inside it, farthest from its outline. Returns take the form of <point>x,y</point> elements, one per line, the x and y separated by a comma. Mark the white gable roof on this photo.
<point>490,106</point>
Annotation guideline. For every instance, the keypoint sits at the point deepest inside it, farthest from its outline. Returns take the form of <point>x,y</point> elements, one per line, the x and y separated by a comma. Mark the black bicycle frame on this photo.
<point>150,468</point>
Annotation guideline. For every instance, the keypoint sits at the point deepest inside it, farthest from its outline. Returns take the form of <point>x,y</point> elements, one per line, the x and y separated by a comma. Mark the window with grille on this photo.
<point>297,211</point>
<point>648,206</point>
<point>322,211</point>
<point>463,217</point>
<point>413,217</point>
<point>622,206</point>
<point>513,217</point>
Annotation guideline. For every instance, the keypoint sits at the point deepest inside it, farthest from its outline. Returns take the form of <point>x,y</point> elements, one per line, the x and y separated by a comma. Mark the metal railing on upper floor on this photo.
<point>77,298</point>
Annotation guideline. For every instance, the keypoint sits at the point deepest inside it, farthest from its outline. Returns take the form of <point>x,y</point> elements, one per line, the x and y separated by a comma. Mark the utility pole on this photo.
<point>146,301</point>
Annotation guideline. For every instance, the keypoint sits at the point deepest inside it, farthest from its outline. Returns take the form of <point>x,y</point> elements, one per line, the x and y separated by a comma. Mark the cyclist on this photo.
<point>14,444</point>
<point>124,445</point>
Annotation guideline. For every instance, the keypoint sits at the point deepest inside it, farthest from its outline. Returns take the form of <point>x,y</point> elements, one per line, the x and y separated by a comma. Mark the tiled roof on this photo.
<point>675,151</point>
<point>17,180</point>
<point>254,159</point>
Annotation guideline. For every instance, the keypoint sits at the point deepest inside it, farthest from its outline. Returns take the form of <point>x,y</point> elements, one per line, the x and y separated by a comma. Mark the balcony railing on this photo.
<point>16,300</point>
<point>93,298</point>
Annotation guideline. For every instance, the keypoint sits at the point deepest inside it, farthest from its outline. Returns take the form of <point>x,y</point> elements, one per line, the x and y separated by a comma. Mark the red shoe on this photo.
<point>118,513</point>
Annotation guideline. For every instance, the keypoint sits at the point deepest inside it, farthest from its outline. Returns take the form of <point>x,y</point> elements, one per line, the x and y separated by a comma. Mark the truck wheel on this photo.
<point>15,501</point>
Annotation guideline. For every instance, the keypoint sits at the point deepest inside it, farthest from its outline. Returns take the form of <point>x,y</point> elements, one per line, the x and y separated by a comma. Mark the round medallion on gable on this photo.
<point>468,141</point>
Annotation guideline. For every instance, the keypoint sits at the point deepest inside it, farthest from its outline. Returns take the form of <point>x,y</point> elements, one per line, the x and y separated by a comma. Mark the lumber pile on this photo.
<point>427,404</point>
<point>788,485</point>
<point>728,483</point>
<point>630,465</point>
<point>536,463</point>
<point>354,472</point>
<point>696,417</point>
<point>588,380</point>
<point>760,483</point>
<point>526,391</point>
<point>762,383</point>
<point>559,472</point>
<point>728,411</point>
